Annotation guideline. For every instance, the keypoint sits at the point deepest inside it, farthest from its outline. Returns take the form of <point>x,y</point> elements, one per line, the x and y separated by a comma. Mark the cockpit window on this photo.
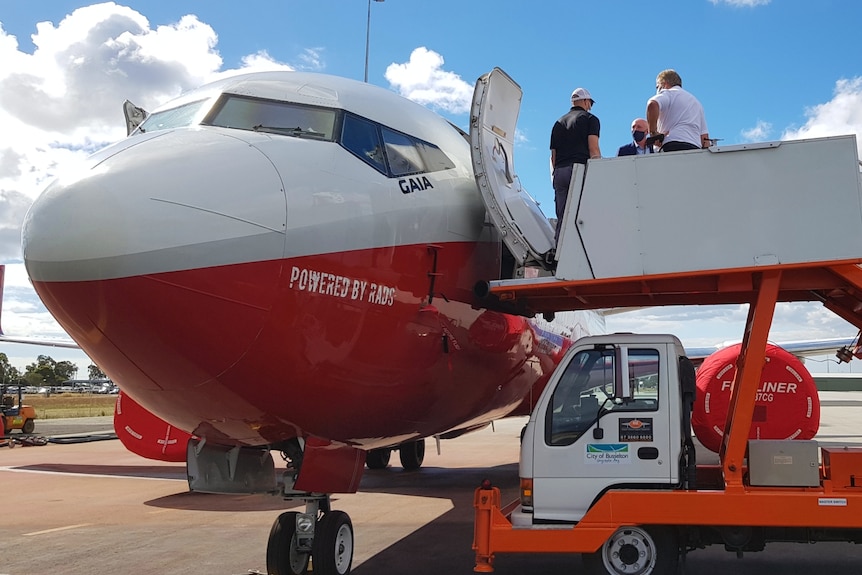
<point>403,156</point>
<point>391,153</point>
<point>178,117</point>
<point>362,138</point>
<point>283,118</point>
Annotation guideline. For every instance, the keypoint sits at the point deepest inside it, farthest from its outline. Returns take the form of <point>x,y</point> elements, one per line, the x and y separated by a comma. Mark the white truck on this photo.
<point>608,469</point>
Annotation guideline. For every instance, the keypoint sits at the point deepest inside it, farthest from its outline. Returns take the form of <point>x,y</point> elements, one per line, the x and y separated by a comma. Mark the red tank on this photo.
<point>787,404</point>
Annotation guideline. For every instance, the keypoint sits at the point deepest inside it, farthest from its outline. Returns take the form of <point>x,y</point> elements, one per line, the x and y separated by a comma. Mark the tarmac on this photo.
<point>94,508</point>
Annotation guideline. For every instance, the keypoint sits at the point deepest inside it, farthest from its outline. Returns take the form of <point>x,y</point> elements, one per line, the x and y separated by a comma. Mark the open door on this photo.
<point>524,228</point>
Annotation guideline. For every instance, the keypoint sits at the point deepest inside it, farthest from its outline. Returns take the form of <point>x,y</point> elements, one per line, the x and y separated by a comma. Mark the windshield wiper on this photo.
<point>300,132</point>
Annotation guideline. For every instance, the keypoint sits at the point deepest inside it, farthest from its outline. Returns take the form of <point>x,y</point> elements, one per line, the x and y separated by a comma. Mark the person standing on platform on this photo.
<point>574,140</point>
<point>677,115</point>
<point>637,146</point>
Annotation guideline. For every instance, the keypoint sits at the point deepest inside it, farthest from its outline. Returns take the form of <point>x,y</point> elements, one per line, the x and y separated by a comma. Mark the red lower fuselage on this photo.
<point>344,347</point>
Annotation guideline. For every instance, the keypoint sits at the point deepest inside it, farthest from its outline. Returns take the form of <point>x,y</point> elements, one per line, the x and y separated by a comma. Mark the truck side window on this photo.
<point>643,381</point>
<point>584,387</point>
<point>587,386</point>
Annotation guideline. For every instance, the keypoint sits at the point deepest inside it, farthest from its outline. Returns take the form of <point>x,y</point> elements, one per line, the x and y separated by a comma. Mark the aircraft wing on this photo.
<point>803,348</point>
<point>35,341</point>
<point>67,343</point>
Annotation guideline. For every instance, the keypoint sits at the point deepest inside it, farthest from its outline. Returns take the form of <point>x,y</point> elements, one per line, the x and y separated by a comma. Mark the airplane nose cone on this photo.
<point>164,203</point>
<point>161,258</point>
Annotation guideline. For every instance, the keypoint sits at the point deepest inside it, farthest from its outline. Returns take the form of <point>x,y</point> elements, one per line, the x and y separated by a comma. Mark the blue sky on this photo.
<point>764,70</point>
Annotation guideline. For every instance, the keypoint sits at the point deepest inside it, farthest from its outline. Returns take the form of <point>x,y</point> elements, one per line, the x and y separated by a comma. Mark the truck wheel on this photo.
<point>29,426</point>
<point>636,551</point>
<point>412,454</point>
<point>282,557</point>
<point>378,458</point>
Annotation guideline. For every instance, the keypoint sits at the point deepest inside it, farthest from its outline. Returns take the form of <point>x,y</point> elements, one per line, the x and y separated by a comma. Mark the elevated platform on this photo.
<point>702,227</point>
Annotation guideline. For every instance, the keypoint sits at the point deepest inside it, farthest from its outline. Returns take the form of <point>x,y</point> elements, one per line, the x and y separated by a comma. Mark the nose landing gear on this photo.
<point>321,535</point>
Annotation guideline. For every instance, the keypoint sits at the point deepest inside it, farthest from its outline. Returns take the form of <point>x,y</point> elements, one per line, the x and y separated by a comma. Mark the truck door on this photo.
<point>606,423</point>
<point>524,228</point>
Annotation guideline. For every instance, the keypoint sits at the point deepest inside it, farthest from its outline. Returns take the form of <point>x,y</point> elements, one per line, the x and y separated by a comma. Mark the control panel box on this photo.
<point>783,463</point>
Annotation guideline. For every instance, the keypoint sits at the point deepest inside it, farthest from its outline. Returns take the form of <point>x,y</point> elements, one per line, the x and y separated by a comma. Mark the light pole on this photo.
<point>368,38</point>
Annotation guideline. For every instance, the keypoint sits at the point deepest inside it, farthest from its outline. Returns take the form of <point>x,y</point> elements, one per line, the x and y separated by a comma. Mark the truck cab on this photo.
<point>614,415</point>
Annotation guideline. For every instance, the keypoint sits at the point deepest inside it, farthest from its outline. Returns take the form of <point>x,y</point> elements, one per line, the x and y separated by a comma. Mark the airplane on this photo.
<point>286,261</point>
<point>295,262</point>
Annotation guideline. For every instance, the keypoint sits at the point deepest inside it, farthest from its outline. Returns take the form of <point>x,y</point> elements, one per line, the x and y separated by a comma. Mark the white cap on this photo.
<point>582,94</point>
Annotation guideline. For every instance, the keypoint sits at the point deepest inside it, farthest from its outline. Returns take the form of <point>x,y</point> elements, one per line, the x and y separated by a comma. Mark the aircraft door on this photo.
<point>524,228</point>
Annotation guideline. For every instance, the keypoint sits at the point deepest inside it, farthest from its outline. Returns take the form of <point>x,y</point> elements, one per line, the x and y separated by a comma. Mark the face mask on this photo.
<point>638,135</point>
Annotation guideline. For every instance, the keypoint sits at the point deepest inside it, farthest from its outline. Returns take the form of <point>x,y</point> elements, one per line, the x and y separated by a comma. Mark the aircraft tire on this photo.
<point>282,558</point>
<point>378,458</point>
<point>636,550</point>
<point>333,544</point>
<point>412,454</point>
<point>29,426</point>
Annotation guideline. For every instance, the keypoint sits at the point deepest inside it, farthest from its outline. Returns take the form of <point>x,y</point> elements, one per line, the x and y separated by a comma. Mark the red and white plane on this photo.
<point>287,261</point>
<point>295,262</point>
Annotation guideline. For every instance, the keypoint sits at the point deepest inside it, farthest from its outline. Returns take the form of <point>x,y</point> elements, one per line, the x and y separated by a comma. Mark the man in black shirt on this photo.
<point>574,139</point>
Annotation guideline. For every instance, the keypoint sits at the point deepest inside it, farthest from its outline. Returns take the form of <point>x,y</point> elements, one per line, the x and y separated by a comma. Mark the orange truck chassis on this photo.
<point>830,511</point>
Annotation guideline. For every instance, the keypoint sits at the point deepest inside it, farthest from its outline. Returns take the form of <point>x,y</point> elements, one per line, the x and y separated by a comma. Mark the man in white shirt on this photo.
<point>677,115</point>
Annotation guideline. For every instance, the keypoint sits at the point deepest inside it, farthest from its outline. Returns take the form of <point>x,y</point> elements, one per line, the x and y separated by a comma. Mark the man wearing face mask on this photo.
<point>639,137</point>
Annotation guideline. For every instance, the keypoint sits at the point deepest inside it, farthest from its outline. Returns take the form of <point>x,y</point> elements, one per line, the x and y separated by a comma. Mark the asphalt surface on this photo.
<point>93,508</point>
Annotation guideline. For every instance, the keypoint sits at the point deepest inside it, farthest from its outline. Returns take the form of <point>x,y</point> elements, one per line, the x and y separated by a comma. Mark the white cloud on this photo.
<point>13,206</point>
<point>841,115</point>
<point>797,321</point>
<point>758,133</point>
<point>423,80</point>
<point>312,59</point>
<point>83,68</point>
<point>63,101</point>
<point>742,3</point>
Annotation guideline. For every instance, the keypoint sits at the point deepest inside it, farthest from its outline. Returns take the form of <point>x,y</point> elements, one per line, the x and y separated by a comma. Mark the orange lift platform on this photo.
<point>778,222</point>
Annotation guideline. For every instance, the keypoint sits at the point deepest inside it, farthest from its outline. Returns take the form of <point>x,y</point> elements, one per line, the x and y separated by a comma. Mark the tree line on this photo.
<point>44,371</point>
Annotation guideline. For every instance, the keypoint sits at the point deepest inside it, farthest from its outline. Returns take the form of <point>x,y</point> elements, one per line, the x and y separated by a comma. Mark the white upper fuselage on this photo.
<point>172,195</point>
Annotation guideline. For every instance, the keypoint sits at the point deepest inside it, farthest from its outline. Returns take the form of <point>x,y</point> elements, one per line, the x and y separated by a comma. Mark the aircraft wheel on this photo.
<point>333,544</point>
<point>29,426</point>
<point>636,551</point>
<point>282,557</point>
<point>378,458</point>
<point>412,454</point>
